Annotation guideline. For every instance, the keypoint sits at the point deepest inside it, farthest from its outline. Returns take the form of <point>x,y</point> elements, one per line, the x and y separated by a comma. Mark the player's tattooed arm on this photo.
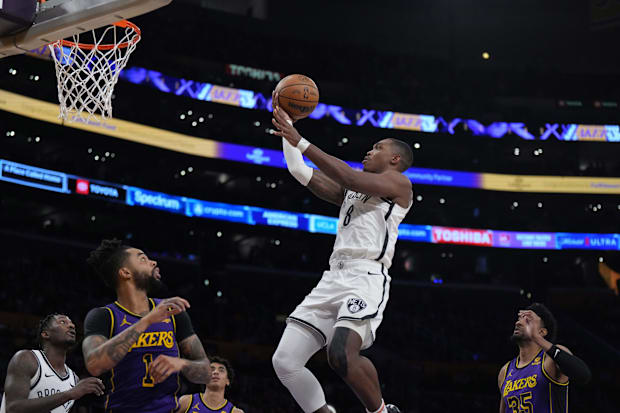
<point>197,367</point>
<point>101,354</point>
<point>325,188</point>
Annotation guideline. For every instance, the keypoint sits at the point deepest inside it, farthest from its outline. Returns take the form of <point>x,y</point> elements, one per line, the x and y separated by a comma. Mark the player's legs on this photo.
<point>296,347</point>
<point>343,354</point>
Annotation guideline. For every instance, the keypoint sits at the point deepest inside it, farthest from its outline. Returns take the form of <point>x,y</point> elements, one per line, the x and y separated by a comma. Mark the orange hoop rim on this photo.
<point>88,46</point>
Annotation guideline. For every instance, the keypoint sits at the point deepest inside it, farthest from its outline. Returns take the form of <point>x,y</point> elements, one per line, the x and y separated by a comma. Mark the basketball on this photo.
<point>298,95</point>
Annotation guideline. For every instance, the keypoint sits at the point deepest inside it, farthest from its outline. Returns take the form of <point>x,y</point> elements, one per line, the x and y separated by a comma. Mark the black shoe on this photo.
<point>392,409</point>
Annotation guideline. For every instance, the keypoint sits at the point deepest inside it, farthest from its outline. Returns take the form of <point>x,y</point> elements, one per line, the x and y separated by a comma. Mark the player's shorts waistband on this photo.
<point>368,265</point>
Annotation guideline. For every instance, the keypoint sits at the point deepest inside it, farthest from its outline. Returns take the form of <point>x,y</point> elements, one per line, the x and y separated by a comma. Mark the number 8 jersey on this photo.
<point>367,228</point>
<point>130,387</point>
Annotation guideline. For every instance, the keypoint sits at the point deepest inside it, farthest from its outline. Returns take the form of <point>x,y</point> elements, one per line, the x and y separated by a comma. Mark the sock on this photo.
<point>382,408</point>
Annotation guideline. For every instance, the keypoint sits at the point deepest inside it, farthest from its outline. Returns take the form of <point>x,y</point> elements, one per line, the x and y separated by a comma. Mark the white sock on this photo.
<point>382,408</point>
<point>296,347</point>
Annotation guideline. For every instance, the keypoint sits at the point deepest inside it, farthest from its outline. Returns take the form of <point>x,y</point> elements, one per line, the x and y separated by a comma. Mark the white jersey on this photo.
<point>46,382</point>
<point>367,228</point>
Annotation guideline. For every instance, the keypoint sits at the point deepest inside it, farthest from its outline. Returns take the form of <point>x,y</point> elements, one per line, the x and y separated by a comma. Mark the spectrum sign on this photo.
<point>49,180</point>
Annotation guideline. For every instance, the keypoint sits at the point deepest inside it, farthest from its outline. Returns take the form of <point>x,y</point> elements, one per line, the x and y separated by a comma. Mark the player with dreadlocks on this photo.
<point>39,381</point>
<point>141,344</point>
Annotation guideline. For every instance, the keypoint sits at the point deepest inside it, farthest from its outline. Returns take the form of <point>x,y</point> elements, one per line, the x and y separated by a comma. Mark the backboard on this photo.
<point>29,24</point>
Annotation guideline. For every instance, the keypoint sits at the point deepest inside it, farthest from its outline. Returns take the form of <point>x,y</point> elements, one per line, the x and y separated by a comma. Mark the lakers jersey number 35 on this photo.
<point>529,388</point>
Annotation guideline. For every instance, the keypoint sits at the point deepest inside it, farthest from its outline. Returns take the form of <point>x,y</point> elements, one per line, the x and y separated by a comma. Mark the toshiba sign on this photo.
<point>443,235</point>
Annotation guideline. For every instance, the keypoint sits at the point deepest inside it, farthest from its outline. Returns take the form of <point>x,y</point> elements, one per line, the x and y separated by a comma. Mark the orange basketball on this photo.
<point>298,96</point>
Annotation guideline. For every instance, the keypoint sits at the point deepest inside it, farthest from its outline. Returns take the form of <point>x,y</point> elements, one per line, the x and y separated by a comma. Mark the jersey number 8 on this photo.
<point>347,217</point>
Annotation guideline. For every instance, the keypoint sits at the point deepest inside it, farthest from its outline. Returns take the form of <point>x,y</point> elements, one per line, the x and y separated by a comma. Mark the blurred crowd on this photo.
<point>439,347</point>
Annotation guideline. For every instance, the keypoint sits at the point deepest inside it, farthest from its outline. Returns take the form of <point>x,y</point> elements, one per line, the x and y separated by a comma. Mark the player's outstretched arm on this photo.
<point>102,354</point>
<point>325,188</point>
<point>22,368</point>
<point>561,363</point>
<point>317,182</point>
<point>390,184</point>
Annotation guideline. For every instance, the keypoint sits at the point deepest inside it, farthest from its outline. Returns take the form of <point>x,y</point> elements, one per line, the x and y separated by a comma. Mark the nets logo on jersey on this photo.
<point>355,305</point>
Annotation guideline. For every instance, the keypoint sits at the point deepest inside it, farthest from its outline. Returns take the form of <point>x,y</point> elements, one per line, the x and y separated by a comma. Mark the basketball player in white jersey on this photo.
<point>39,381</point>
<point>345,309</point>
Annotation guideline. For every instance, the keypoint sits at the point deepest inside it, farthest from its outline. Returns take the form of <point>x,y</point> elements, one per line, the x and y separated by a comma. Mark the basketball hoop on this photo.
<point>88,71</point>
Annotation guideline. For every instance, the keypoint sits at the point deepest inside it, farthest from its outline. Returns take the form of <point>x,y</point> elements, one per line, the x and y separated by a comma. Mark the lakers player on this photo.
<point>537,380</point>
<point>138,340</point>
<point>212,400</point>
<point>345,309</point>
<point>39,381</point>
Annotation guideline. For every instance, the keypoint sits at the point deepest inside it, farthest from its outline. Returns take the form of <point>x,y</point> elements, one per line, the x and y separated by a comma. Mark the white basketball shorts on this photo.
<point>352,294</point>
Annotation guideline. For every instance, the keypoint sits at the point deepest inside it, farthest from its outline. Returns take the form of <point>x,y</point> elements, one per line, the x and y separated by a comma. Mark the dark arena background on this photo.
<point>511,109</point>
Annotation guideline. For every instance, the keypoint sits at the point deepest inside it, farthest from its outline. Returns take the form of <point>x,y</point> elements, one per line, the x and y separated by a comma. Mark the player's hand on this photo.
<point>532,323</point>
<point>166,308</point>
<point>284,125</point>
<point>275,103</point>
<point>89,385</point>
<point>164,366</point>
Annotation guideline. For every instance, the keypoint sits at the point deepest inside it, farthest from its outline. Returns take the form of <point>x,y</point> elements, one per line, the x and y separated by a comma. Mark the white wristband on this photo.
<point>295,163</point>
<point>302,145</point>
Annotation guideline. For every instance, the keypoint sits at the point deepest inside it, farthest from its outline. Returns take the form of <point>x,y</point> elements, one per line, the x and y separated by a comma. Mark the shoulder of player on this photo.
<point>184,403</point>
<point>501,376</point>
<point>394,174</point>
<point>24,362</point>
<point>405,188</point>
<point>98,311</point>
<point>399,178</point>
<point>237,410</point>
<point>504,367</point>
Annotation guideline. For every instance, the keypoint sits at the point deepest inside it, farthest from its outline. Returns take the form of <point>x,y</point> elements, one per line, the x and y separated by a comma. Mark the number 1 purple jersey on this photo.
<point>530,389</point>
<point>130,387</point>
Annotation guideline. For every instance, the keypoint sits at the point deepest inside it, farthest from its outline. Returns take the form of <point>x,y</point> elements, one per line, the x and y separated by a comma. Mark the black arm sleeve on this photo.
<point>97,322</point>
<point>184,326</point>
<point>575,368</point>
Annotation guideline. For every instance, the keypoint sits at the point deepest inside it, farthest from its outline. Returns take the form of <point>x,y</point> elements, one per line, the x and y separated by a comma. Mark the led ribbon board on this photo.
<point>368,117</point>
<point>207,148</point>
<point>55,181</point>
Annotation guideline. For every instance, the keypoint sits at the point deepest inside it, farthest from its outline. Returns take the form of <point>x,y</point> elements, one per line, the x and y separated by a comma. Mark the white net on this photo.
<point>88,72</point>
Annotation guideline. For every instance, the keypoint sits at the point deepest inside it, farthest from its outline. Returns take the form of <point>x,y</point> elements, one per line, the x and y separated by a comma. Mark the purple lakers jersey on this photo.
<point>198,405</point>
<point>529,388</point>
<point>131,388</point>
